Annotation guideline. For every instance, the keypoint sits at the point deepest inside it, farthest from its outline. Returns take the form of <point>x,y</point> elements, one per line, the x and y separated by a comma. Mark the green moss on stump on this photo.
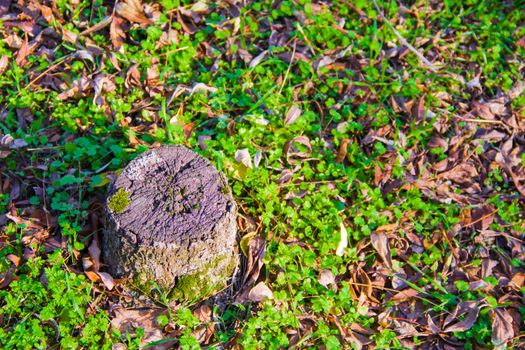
<point>119,201</point>
<point>207,280</point>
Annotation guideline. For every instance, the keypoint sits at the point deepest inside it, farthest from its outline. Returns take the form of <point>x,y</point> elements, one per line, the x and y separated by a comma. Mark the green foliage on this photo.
<point>300,201</point>
<point>46,305</point>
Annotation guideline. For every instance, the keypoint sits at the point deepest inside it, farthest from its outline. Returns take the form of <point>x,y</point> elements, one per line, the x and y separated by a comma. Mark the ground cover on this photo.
<point>376,152</point>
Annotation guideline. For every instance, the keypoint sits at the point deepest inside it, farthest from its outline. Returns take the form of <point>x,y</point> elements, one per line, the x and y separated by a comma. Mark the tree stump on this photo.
<point>170,220</point>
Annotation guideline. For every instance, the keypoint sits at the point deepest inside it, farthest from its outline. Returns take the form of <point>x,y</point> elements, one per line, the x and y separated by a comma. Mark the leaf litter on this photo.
<point>473,161</point>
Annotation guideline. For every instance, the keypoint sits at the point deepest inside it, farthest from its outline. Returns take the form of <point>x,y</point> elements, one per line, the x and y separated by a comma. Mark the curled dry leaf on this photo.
<point>260,292</point>
<point>257,59</point>
<point>132,77</point>
<point>201,87</point>
<point>79,86</point>
<point>286,176</point>
<point>326,278</point>
<point>342,150</point>
<point>243,156</point>
<point>292,115</point>
<point>292,149</point>
<point>14,259</point>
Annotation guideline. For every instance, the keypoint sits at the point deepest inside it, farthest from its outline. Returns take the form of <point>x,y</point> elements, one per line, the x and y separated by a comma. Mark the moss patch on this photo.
<point>119,201</point>
<point>205,281</point>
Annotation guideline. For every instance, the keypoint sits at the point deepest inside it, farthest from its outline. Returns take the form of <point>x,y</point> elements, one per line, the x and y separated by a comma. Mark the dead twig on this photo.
<point>403,41</point>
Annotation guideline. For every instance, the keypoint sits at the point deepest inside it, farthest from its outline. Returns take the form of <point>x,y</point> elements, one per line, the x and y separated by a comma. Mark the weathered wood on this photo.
<point>170,218</point>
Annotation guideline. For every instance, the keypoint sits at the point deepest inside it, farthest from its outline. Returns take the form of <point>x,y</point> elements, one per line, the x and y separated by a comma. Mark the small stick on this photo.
<point>403,41</point>
<point>289,67</point>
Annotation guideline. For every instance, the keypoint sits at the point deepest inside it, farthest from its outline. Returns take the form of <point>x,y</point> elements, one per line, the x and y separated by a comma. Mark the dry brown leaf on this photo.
<point>133,11</point>
<point>405,294</point>
<point>291,149</point>
<point>243,156</point>
<point>69,36</point>
<point>326,278</point>
<point>4,6</point>
<point>93,276</point>
<point>94,253</point>
<point>260,292</point>
<point>292,115</point>
<point>502,330</point>
<point>7,278</point>
<point>106,279</point>
<point>482,217</point>
<point>116,33</point>
<point>380,244</point>
<point>132,77</point>
<point>19,220</point>
<point>127,320</point>
<point>47,13</point>
<point>4,61</point>
<point>22,52</point>
<point>80,86</point>
<point>471,309</point>
<point>14,259</point>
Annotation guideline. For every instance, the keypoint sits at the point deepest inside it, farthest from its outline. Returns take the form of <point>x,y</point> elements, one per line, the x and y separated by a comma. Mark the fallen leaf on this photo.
<point>482,217</point>
<point>292,115</point>
<point>4,6</point>
<point>471,309</point>
<point>116,33</point>
<point>93,276</point>
<point>342,150</point>
<point>243,156</point>
<point>7,277</point>
<point>201,87</point>
<point>94,253</point>
<point>326,278</point>
<point>106,279</point>
<point>132,77</point>
<point>343,240</point>
<point>4,61</point>
<point>292,148</point>
<point>380,244</point>
<point>257,159</point>
<point>133,11</point>
<point>260,292</point>
<point>257,59</point>
<point>405,294</point>
<point>127,320</point>
<point>14,259</point>
<point>502,330</point>
<point>22,53</point>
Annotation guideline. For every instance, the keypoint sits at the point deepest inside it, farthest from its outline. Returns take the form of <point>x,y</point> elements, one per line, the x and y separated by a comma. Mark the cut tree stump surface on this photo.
<point>171,219</point>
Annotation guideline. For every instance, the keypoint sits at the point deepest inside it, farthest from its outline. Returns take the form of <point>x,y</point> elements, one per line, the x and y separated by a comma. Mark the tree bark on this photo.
<point>170,220</point>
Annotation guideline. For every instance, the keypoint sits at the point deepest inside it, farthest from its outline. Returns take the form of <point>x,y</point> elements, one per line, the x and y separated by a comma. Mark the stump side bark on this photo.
<point>170,218</point>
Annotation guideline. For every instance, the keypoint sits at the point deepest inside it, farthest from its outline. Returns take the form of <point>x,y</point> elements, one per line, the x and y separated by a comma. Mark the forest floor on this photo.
<point>376,153</point>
